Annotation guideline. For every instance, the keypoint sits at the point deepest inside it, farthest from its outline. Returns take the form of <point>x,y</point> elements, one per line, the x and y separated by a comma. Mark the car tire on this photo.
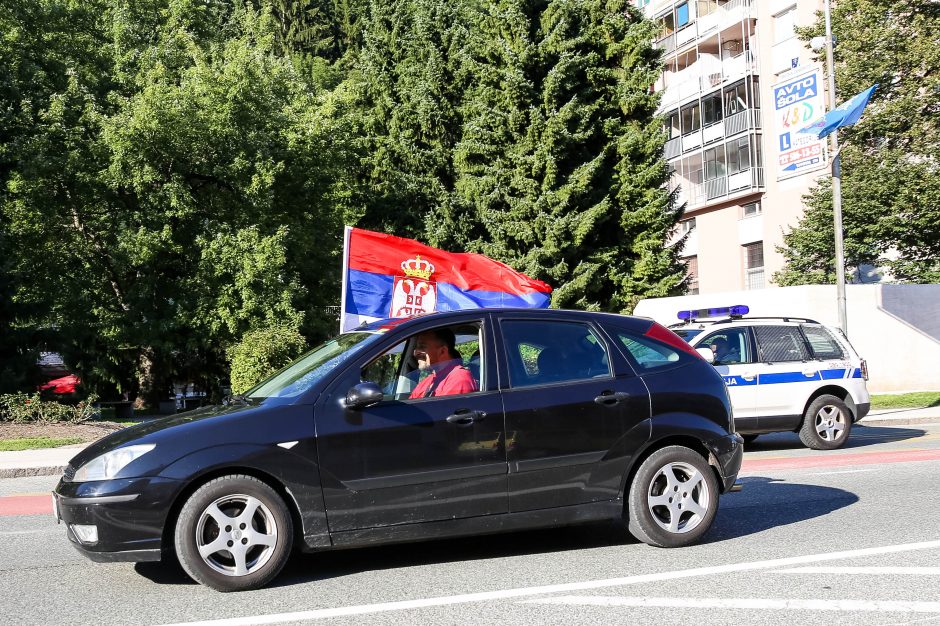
<point>826,423</point>
<point>749,439</point>
<point>673,498</point>
<point>239,512</point>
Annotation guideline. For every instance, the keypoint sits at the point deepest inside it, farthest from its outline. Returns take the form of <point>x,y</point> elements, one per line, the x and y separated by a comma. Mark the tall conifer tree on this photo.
<point>559,168</point>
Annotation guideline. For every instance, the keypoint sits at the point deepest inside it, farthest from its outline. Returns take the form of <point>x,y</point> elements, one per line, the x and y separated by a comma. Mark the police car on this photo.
<point>783,373</point>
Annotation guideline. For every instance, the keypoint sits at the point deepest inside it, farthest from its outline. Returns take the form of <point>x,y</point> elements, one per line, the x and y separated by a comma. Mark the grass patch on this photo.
<point>33,443</point>
<point>916,400</point>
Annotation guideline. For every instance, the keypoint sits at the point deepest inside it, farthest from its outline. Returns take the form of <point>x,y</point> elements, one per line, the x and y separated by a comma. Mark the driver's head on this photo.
<point>720,345</point>
<point>434,346</point>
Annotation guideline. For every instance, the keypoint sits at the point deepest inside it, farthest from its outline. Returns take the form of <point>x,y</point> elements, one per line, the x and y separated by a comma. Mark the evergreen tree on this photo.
<point>890,159</point>
<point>559,168</point>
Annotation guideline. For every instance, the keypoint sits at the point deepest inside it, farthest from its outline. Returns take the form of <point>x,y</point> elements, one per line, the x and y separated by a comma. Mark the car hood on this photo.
<point>153,430</point>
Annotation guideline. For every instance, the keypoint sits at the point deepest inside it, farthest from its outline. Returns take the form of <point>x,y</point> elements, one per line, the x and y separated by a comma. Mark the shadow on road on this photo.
<point>860,437</point>
<point>767,503</point>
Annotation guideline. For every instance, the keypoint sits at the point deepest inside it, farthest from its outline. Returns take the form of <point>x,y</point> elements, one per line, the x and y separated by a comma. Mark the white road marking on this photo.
<point>383,607</point>
<point>747,603</point>
<point>875,571</point>
<point>855,471</point>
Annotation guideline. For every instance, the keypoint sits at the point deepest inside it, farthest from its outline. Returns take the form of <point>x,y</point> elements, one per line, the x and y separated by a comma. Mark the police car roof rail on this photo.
<point>768,317</point>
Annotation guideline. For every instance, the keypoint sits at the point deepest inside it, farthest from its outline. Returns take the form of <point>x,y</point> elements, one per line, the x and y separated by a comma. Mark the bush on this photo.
<point>262,352</point>
<point>24,408</point>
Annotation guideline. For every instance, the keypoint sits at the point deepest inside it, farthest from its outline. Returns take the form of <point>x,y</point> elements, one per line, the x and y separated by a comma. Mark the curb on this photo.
<point>874,421</point>
<point>25,472</point>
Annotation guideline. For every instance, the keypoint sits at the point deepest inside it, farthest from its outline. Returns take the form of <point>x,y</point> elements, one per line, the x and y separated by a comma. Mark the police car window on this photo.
<point>648,354</point>
<point>822,343</point>
<point>542,353</point>
<point>781,343</point>
<point>729,346</point>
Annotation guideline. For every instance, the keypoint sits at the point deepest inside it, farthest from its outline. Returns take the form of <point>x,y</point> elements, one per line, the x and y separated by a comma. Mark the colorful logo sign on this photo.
<point>797,102</point>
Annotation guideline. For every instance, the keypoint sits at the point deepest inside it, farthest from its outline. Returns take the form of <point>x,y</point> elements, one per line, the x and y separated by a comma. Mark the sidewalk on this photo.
<point>52,461</point>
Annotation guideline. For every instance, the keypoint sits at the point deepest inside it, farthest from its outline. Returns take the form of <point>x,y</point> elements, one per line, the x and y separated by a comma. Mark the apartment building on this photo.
<point>737,86</point>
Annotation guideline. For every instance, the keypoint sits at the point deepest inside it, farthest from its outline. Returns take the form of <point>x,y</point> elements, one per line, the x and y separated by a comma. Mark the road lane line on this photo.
<point>26,505</point>
<point>837,460</point>
<point>855,471</point>
<point>402,605</point>
<point>783,604</point>
<point>875,571</point>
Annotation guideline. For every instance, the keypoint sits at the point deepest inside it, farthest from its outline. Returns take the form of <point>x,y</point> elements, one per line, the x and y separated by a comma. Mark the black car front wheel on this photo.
<point>234,533</point>
<point>673,498</point>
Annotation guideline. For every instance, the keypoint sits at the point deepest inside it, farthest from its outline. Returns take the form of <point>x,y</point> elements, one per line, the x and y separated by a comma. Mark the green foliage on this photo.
<point>914,400</point>
<point>890,159</point>
<point>261,352</point>
<point>21,407</point>
<point>559,169</point>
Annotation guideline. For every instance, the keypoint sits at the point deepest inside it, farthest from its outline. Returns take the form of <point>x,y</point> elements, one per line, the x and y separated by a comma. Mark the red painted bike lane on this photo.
<point>30,504</point>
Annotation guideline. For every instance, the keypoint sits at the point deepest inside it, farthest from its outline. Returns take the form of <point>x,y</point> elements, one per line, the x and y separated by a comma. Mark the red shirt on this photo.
<point>454,378</point>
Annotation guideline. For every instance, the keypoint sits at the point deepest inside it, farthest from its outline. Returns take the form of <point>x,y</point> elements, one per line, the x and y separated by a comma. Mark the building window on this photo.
<point>783,25</point>
<point>691,266</point>
<point>687,225</point>
<point>691,118</point>
<point>641,3</point>
<point>754,265</point>
<point>715,163</point>
<point>682,15</point>
<point>751,209</point>
<point>711,110</point>
<point>736,99</point>
<point>739,155</point>
<point>674,128</point>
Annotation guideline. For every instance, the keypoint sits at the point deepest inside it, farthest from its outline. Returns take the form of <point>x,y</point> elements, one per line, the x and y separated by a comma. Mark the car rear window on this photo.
<point>822,343</point>
<point>781,343</point>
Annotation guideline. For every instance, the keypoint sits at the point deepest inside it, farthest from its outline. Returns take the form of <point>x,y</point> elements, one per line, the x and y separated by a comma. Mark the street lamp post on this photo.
<point>836,182</point>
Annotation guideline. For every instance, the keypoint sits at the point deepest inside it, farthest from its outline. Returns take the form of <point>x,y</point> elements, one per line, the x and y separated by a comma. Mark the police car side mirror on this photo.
<point>363,395</point>
<point>707,354</point>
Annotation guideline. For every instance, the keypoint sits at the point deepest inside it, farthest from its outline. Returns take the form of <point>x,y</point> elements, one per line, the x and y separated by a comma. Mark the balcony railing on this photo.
<point>673,148</point>
<point>748,119</point>
<point>696,194</point>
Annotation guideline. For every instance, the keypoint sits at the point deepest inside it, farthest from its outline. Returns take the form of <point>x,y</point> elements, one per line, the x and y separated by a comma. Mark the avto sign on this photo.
<point>797,102</point>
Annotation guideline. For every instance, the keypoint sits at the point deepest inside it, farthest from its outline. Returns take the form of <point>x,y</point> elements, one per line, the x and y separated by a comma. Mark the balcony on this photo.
<point>721,18</point>
<point>740,122</point>
<point>697,195</point>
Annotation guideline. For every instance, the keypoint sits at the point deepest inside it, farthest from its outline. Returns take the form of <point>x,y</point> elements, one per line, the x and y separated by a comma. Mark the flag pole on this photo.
<point>836,183</point>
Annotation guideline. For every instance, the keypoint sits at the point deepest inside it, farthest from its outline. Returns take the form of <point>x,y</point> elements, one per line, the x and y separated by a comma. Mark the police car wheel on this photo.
<point>826,423</point>
<point>673,498</point>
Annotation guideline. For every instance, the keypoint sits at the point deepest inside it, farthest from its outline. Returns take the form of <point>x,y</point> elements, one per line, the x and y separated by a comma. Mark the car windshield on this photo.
<point>303,373</point>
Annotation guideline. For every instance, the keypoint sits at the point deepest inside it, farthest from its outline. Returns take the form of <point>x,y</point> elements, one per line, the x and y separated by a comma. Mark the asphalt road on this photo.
<point>844,537</point>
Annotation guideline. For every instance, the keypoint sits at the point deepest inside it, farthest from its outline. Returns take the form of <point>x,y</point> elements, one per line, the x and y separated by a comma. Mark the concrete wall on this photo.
<point>896,328</point>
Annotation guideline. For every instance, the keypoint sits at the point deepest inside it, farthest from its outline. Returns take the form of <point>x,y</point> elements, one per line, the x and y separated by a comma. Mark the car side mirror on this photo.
<point>707,354</point>
<point>364,395</point>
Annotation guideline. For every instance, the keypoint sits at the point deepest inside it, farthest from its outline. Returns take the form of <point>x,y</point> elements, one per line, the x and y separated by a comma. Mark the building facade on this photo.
<point>737,85</point>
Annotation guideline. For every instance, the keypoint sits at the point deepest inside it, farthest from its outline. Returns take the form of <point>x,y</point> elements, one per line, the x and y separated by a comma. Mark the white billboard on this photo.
<point>798,101</point>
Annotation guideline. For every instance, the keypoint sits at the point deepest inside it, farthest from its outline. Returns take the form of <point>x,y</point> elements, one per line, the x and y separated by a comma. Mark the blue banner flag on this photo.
<point>845,114</point>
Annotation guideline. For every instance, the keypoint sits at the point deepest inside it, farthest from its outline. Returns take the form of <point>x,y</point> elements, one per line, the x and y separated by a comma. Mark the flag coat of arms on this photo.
<point>386,276</point>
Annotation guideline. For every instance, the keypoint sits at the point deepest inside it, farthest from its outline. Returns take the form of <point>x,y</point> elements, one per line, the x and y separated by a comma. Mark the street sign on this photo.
<point>797,102</point>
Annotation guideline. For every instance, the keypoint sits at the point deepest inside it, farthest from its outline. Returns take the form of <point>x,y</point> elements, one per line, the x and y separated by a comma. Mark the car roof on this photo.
<point>390,323</point>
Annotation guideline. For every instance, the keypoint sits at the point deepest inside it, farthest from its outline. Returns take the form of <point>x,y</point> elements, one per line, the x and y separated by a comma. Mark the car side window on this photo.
<point>541,353</point>
<point>822,343</point>
<point>730,346</point>
<point>781,343</point>
<point>648,354</point>
<point>450,357</point>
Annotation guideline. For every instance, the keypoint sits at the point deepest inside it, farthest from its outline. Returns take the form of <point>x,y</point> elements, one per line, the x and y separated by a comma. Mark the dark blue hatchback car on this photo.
<point>560,417</point>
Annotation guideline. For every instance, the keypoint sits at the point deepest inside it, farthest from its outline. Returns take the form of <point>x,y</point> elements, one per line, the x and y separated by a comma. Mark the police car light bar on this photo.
<point>733,311</point>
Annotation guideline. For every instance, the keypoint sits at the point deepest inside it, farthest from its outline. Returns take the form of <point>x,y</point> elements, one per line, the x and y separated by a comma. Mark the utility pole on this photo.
<point>836,181</point>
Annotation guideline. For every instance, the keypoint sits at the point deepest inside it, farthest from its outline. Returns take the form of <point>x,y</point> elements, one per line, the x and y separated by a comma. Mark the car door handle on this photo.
<point>809,373</point>
<point>749,376</point>
<point>610,398</point>
<point>465,417</point>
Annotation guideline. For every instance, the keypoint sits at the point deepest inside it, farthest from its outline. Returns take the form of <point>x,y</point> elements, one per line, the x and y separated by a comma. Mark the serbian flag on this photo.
<point>386,276</point>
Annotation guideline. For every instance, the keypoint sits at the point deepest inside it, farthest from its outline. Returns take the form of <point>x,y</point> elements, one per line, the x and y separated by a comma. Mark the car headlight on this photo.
<point>107,465</point>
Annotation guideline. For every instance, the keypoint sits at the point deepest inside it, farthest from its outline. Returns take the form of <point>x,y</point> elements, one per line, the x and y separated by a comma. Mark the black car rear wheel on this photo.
<point>233,534</point>
<point>673,498</point>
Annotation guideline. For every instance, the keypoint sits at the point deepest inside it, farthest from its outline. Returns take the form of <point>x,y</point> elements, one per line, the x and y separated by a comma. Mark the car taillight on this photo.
<point>864,368</point>
<point>661,333</point>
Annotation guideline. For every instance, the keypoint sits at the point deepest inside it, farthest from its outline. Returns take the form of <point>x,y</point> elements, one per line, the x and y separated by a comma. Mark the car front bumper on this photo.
<point>128,516</point>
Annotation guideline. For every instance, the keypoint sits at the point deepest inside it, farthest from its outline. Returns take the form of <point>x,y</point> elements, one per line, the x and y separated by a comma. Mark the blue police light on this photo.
<point>736,310</point>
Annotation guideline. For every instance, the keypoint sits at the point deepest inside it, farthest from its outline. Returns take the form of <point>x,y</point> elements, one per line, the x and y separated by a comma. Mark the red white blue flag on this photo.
<point>386,276</point>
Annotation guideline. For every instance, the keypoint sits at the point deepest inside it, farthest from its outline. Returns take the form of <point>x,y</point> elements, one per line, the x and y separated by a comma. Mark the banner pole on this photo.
<point>836,183</point>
